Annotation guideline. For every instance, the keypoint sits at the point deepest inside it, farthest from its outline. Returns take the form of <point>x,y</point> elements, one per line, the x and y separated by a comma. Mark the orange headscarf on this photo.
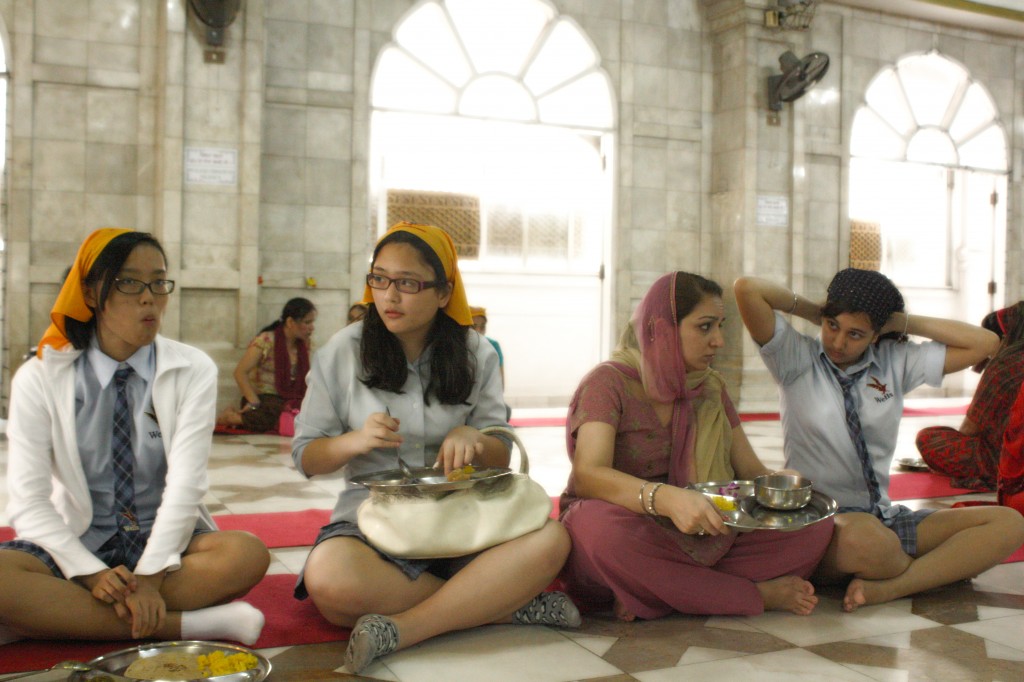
<point>71,299</point>
<point>441,243</point>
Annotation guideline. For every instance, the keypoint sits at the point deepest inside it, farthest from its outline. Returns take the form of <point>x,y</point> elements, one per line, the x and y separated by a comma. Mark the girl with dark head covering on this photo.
<point>414,381</point>
<point>110,429</point>
<point>970,455</point>
<point>272,372</point>
<point>841,403</point>
<point>641,428</point>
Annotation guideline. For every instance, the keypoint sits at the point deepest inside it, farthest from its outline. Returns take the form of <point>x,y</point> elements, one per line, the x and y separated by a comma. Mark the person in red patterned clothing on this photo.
<point>970,455</point>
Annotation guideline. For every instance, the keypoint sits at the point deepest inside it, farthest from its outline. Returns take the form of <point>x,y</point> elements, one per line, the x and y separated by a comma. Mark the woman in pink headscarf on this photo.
<point>641,428</point>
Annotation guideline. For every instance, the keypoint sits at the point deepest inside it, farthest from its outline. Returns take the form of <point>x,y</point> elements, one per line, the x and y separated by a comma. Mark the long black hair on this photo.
<point>452,367</point>
<point>295,308</point>
<point>106,268</point>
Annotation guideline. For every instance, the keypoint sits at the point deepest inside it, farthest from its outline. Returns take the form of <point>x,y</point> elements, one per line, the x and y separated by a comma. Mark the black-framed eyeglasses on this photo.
<point>134,287</point>
<point>405,285</point>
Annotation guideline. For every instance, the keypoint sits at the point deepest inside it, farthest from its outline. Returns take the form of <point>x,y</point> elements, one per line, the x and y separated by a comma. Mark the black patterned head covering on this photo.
<point>863,291</point>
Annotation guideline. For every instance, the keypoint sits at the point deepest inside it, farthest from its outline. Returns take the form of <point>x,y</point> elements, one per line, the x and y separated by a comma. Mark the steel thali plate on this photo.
<point>739,509</point>
<point>428,480</point>
<point>118,661</point>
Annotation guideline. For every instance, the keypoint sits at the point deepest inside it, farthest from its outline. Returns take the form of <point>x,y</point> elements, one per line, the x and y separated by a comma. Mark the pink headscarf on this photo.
<point>662,370</point>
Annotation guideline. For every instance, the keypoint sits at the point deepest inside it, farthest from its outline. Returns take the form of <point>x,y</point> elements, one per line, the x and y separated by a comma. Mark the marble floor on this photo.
<point>969,631</point>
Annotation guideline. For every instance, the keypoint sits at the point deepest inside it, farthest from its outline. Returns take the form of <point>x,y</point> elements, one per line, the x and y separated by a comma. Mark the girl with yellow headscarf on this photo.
<point>109,430</point>
<point>413,380</point>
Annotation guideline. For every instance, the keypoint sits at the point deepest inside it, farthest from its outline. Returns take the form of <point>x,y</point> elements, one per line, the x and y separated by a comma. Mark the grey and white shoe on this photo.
<point>549,608</point>
<point>373,636</point>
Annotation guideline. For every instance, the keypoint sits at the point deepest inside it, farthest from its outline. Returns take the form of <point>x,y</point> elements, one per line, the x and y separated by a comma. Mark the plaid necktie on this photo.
<point>124,473</point>
<point>847,383</point>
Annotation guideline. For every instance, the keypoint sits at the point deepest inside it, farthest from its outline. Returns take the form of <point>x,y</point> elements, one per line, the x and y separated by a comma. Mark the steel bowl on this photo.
<point>782,491</point>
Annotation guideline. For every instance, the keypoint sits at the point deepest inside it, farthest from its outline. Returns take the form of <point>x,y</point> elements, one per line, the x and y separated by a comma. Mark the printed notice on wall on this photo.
<point>211,166</point>
<point>772,210</point>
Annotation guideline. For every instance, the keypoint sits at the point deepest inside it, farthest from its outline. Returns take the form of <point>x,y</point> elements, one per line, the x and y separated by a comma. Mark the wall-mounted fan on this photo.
<point>798,76</point>
<point>216,16</point>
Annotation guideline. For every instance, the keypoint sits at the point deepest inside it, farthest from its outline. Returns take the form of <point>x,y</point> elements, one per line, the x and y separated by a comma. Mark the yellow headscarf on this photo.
<point>441,243</point>
<point>71,299</point>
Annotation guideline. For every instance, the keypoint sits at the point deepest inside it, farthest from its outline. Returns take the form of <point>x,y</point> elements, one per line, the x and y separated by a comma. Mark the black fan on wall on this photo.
<point>216,16</point>
<point>797,77</point>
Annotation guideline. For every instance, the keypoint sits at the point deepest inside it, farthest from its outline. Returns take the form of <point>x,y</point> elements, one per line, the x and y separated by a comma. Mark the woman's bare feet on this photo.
<point>788,593</point>
<point>622,613</point>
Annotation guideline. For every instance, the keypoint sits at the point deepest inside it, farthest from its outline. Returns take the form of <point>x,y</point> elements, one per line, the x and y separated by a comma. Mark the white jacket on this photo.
<point>49,501</point>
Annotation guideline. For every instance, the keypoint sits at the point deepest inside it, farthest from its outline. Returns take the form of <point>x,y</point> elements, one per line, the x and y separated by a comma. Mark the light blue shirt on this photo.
<point>337,402</point>
<point>816,440</point>
<point>95,393</point>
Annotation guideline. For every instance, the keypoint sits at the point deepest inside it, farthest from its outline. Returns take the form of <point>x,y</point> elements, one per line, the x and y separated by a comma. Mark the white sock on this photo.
<point>237,621</point>
<point>8,636</point>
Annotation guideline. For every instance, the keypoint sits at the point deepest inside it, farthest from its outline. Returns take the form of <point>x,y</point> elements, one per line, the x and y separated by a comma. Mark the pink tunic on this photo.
<point>645,563</point>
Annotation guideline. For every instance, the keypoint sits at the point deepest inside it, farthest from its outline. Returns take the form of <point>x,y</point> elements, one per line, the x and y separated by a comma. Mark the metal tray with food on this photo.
<point>177,661</point>
<point>737,504</point>
<point>427,480</point>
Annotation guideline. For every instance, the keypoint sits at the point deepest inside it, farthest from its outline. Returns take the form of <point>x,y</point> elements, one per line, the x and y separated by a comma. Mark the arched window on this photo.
<point>928,173</point>
<point>489,118</point>
<point>927,109</point>
<point>495,120</point>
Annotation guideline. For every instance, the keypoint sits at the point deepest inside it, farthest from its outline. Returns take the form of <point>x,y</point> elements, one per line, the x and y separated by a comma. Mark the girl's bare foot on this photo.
<point>788,593</point>
<point>622,613</point>
<point>854,596</point>
<point>862,592</point>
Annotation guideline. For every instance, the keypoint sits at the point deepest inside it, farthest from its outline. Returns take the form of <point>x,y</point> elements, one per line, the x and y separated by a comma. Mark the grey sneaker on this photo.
<point>372,636</point>
<point>549,608</point>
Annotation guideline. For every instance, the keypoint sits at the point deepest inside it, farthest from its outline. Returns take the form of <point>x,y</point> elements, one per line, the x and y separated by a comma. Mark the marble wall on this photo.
<point>114,104</point>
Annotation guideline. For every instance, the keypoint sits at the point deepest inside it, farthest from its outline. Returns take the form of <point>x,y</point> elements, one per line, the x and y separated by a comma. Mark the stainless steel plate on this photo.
<point>913,464</point>
<point>428,481</point>
<point>118,661</point>
<point>749,515</point>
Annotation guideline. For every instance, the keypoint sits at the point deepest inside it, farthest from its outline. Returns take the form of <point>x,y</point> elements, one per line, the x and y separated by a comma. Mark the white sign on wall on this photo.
<point>772,210</point>
<point>211,166</point>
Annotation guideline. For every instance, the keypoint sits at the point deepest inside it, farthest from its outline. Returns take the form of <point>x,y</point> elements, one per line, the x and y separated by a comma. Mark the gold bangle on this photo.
<point>643,506</point>
<point>792,308</point>
<point>654,510</point>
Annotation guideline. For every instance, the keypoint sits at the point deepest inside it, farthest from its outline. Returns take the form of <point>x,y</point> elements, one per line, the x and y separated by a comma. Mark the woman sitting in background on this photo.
<point>109,433</point>
<point>413,381</point>
<point>272,373</point>
<point>642,427</point>
<point>970,455</point>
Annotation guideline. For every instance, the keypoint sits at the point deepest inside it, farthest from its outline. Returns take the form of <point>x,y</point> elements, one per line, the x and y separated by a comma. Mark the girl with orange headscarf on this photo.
<point>412,380</point>
<point>109,431</point>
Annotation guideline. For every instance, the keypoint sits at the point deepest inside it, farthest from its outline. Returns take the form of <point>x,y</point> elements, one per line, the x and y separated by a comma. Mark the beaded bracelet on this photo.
<point>653,511</point>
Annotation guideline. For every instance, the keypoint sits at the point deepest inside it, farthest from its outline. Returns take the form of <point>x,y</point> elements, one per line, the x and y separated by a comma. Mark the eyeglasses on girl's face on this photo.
<point>134,287</point>
<point>405,285</point>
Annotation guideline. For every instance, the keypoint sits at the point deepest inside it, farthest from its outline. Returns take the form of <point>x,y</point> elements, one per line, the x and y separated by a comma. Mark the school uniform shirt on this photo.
<point>337,402</point>
<point>95,395</point>
<point>50,503</point>
<point>816,441</point>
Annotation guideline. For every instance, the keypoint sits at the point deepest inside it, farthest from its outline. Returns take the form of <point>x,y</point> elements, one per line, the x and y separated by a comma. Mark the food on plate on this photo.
<point>724,503</point>
<point>178,665</point>
<point>219,663</point>
<point>174,665</point>
<point>462,473</point>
